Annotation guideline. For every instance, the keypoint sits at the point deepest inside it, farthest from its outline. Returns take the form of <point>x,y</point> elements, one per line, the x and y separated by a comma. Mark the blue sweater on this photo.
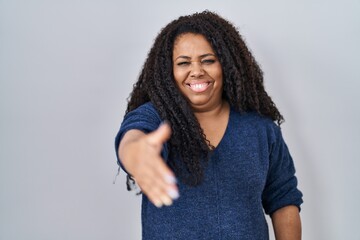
<point>249,172</point>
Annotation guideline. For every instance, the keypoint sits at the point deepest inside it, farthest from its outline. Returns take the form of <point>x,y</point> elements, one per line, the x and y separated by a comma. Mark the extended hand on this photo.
<point>141,156</point>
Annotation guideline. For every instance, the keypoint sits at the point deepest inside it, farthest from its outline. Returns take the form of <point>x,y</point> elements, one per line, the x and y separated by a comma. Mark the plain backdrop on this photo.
<point>67,67</point>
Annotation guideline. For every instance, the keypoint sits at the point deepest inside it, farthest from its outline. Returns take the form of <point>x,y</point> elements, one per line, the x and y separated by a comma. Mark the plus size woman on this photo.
<point>201,138</point>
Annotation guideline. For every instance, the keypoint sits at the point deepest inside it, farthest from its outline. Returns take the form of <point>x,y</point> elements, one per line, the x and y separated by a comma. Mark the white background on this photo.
<point>67,67</point>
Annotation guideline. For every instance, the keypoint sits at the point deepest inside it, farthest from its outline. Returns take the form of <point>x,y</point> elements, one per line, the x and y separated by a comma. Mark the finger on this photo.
<point>166,200</point>
<point>162,169</point>
<point>161,175</point>
<point>154,168</point>
<point>152,195</point>
<point>160,196</point>
<point>157,192</point>
<point>160,135</point>
<point>168,187</point>
<point>157,187</point>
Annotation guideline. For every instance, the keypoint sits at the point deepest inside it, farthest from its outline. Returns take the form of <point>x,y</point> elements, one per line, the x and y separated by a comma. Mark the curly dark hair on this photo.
<point>243,88</point>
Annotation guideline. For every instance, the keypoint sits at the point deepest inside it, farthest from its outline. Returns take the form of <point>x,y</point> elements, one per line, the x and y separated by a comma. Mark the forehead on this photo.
<point>190,43</point>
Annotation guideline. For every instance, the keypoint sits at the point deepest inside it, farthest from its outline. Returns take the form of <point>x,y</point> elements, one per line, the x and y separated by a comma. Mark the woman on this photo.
<point>217,160</point>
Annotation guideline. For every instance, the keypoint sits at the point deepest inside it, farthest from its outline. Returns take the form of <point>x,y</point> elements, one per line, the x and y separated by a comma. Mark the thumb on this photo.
<point>160,135</point>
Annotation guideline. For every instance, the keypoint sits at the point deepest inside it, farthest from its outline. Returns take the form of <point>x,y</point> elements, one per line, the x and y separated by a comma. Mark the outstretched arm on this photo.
<point>287,224</point>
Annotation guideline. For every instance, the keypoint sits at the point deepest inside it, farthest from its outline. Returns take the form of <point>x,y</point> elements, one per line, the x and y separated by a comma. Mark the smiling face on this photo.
<point>197,71</point>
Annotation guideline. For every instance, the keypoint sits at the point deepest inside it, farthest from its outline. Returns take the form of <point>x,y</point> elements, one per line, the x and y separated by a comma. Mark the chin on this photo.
<point>199,102</point>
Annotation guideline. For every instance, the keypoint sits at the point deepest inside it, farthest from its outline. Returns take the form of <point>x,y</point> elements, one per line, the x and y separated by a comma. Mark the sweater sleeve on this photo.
<point>281,183</point>
<point>145,118</point>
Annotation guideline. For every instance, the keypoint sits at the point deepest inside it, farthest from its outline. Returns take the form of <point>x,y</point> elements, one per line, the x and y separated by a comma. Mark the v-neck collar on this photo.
<point>226,130</point>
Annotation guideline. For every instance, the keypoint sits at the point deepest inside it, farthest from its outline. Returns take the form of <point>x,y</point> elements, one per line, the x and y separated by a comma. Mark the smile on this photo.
<point>198,87</point>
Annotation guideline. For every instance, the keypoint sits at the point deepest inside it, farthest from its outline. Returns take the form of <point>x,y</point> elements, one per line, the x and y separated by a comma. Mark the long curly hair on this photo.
<point>243,88</point>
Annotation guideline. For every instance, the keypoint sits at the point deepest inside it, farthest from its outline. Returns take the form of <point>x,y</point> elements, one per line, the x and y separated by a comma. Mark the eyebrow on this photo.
<point>201,56</point>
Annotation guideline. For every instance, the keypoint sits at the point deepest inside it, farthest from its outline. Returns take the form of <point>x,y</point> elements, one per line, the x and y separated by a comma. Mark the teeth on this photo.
<point>199,85</point>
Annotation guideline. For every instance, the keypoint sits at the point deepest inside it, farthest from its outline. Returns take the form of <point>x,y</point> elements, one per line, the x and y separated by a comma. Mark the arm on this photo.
<point>286,223</point>
<point>140,156</point>
<point>281,197</point>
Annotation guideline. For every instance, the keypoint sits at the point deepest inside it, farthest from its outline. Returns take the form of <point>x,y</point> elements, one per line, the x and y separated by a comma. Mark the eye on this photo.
<point>208,61</point>
<point>183,63</point>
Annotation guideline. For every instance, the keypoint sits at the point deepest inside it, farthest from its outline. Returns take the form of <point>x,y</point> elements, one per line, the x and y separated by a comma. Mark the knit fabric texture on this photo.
<point>250,173</point>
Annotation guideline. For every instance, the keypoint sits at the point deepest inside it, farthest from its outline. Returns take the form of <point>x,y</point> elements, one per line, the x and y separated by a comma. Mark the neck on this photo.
<point>213,113</point>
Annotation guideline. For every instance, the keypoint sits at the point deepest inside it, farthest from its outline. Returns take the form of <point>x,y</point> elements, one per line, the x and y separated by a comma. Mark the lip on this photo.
<point>198,86</point>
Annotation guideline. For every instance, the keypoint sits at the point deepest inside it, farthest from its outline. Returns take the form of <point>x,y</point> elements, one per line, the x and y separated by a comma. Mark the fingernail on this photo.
<point>170,179</point>
<point>173,194</point>
<point>158,204</point>
<point>166,200</point>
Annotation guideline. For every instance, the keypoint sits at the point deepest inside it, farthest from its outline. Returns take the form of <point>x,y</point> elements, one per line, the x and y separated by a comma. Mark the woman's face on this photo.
<point>197,71</point>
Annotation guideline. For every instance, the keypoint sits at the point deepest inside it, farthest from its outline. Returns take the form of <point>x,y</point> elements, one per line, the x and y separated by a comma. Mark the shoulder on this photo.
<point>146,108</point>
<point>147,111</point>
<point>144,117</point>
<point>258,124</point>
<point>255,119</point>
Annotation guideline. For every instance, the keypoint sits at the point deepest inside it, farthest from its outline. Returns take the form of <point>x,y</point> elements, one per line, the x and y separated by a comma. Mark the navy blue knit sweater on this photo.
<point>250,172</point>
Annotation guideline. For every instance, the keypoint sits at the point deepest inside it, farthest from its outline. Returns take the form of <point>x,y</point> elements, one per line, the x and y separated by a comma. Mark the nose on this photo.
<point>196,70</point>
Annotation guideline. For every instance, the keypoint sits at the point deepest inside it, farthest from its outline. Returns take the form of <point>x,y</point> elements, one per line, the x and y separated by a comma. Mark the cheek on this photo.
<point>220,75</point>
<point>217,76</point>
<point>178,77</point>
